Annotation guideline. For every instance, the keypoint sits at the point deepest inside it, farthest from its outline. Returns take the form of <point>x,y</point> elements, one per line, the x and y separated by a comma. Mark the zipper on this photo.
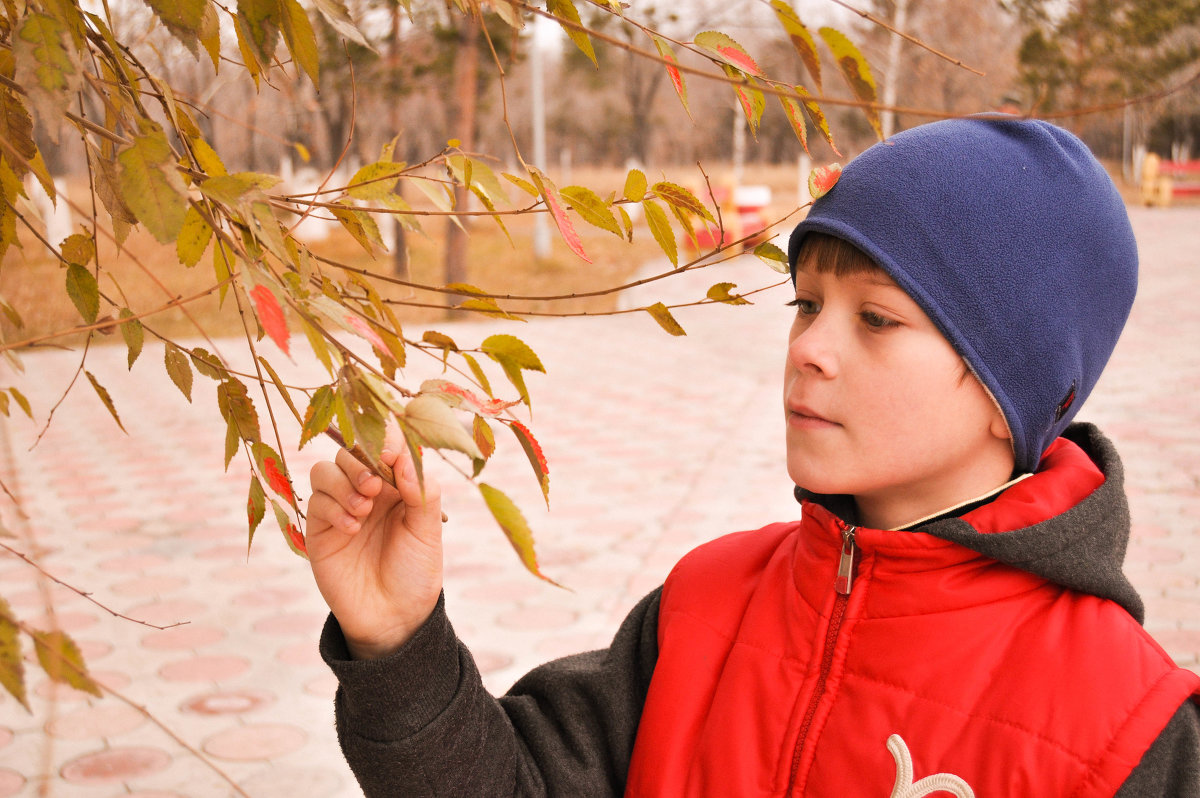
<point>842,586</point>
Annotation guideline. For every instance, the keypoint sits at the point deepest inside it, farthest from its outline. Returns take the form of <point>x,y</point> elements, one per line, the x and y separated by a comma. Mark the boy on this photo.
<point>949,614</point>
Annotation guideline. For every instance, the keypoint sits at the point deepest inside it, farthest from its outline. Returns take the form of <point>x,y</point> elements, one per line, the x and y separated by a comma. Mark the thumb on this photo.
<point>422,497</point>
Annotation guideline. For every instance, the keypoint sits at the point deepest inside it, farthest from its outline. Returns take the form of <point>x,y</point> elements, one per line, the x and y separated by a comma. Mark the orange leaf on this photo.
<point>822,179</point>
<point>271,315</point>
<point>565,228</point>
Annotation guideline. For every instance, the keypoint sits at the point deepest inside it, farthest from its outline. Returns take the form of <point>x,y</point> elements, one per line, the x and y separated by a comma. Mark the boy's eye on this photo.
<point>805,307</point>
<point>875,321</point>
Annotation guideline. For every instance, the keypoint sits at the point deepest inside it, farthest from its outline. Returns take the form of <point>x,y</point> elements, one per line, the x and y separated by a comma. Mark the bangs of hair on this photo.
<point>826,254</point>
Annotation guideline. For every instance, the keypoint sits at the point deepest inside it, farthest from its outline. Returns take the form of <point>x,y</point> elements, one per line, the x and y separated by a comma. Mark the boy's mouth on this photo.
<point>807,418</point>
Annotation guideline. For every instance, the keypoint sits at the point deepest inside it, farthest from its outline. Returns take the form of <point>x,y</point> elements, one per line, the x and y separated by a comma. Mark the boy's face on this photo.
<point>878,406</point>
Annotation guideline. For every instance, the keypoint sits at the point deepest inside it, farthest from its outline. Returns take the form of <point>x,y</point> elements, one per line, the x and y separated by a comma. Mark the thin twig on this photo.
<point>886,26</point>
<point>82,593</point>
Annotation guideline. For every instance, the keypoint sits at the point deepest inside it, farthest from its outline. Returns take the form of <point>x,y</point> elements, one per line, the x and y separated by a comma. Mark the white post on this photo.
<point>899,22</point>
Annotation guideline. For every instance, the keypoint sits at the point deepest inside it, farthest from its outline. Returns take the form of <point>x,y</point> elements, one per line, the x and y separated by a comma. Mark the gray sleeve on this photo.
<point>1170,768</point>
<point>419,722</point>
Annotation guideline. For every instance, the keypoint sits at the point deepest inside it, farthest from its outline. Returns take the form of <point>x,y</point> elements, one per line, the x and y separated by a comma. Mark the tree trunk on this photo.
<point>400,243</point>
<point>466,95</point>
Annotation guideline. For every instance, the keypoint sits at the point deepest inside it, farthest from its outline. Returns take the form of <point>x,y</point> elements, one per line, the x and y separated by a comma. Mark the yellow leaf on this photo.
<point>857,72</point>
<point>46,67</point>
<point>565,10</point>
<point>664,318</point>
<point>106,399</point>
<point>300,39</point>
<point>193,239</point>
<point>151,187</point>
<point>515,527</point>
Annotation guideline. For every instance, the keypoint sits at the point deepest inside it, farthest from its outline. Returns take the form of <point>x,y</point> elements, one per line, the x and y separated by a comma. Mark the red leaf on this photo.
<point>822,179</point>
<point>461,397</point>
<point>271,315</point>
<point>537,458</point>
<point>740,59</point>
<point>277,479</point>
<point>296,539</point>
<point>565,228</point>
<point>364,329</point>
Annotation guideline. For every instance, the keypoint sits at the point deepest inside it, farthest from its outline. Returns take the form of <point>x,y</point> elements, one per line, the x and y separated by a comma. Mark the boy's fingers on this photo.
<point>324,508</point>
<point>358,475</point>
<point>331,480</point>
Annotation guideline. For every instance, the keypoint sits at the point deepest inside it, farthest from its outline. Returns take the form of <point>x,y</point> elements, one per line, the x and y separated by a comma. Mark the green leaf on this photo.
<point>179,369</point>
<point>62,661</point>
<point>106,399</point>
<point>258,24</point>
<point>279,386</point>
<point>476,370</point>
<point>229,189</point>
<point>635,185</point>
<point>660,228</point>
<point>232,441</point>
<point>724,49</point>
<point>84,292</point>
<point>679,197</point>
<point>591,208</point>
<point>524,185</point>
<point>208,364</point>
<point>375,181</point>
<point>183,18</point>
<point>47,68</point>
<point>193,239</point>
<point>151,186</point>
<point>300,39</point>
<point>720,293</point>
<point>857,72</point>
<point>318,415</point>
<point>12,666</point>
<point>361,227</point>
<point>318,345</point>
<point>773,256</point>
<point>479,176</point>
<point>515,527</point>
<point>565,10</point>
<point>338,17</point>
<point>78,249</point>
<point>256,507</point>
<point>664,318</point>
<point>238,409</point>
<point>437,426</point>
<point>801,37</point>
<point>134,335</point>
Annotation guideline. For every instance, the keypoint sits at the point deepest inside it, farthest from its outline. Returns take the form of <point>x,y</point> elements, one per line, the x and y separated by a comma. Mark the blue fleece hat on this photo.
<point>1013,239</point>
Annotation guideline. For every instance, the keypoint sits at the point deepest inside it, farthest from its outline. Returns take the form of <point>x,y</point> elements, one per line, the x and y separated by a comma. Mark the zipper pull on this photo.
<point>845,574</point>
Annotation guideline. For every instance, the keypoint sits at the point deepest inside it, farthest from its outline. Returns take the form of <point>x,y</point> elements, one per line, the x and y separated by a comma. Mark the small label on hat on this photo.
<point>1065,404</point>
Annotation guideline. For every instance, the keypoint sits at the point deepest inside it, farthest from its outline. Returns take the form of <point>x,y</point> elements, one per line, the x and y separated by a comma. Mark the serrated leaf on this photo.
<point>591,208</point>
<point>258,23</point>
<point>182,17</point>
<point>478,176</point>
<point>78,249</point>
<point>725,49</point>
<point>667,54</point>
<point>318,345</point>
<point>635,185</point>
<point>273,470</point>
<point>151,187</point>
<point>300,39</point>
<point>179,369</point>
<point>84,292</point>
<point>484,438</point>
<point>440,340</point>
<point>291,533</point>
<point>679,197</point>
<point>537,458</point>
<point>270,315</point>
<point>660,228</point>
<point>801,38</point>
<point>208,364</point>
<point>193,239</point>
<point>721,293</point>
<point>773,256</point>
<point>210,35</point>
<point>752,101</point>
<point>487,307</point>
<point>664,318</point>
<point>232,442</point>
<point>237,408</point>
<point>62,661</point>
<point>478,372</point>
<point>46,67</point>
<point>375,181</point>
<point>565,228</point>
<point>228,189</point>
<point>857,72</point>
<point>279,386</point>
<point>515,527</point>
<point>511,348</point>
<point>338,17</point>
<point>361,227</point>
<point>457,396</point>
<point>106,399</point>
<point>206,157</point>
<point>524,185</point>
<point>256,507</point>
<point>795,117</point>
<point>817,117</point>
<point>822,179</point>
<point>436,425</point>
<point>565,10</point>
<point>318,414</point>
<point>510,12</point>
<point>12,666</point>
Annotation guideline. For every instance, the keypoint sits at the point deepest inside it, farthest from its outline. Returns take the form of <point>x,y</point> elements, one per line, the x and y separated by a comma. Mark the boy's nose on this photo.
<point>813,348</point>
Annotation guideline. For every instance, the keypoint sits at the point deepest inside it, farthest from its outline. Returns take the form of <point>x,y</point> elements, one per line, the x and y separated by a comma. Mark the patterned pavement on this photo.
<point>655,444</point>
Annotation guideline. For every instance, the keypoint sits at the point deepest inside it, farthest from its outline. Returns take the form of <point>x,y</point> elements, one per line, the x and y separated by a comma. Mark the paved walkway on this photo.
<point>655,444</point>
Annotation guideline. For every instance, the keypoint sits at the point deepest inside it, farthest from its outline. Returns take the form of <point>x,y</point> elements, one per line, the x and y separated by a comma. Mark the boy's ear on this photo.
<point>999,427</point>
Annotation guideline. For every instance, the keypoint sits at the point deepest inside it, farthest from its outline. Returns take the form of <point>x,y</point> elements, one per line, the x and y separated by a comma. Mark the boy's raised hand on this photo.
<point>375,551</point>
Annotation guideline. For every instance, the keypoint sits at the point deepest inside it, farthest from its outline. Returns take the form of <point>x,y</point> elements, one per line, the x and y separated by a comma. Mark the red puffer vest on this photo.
<point>934,670</point>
